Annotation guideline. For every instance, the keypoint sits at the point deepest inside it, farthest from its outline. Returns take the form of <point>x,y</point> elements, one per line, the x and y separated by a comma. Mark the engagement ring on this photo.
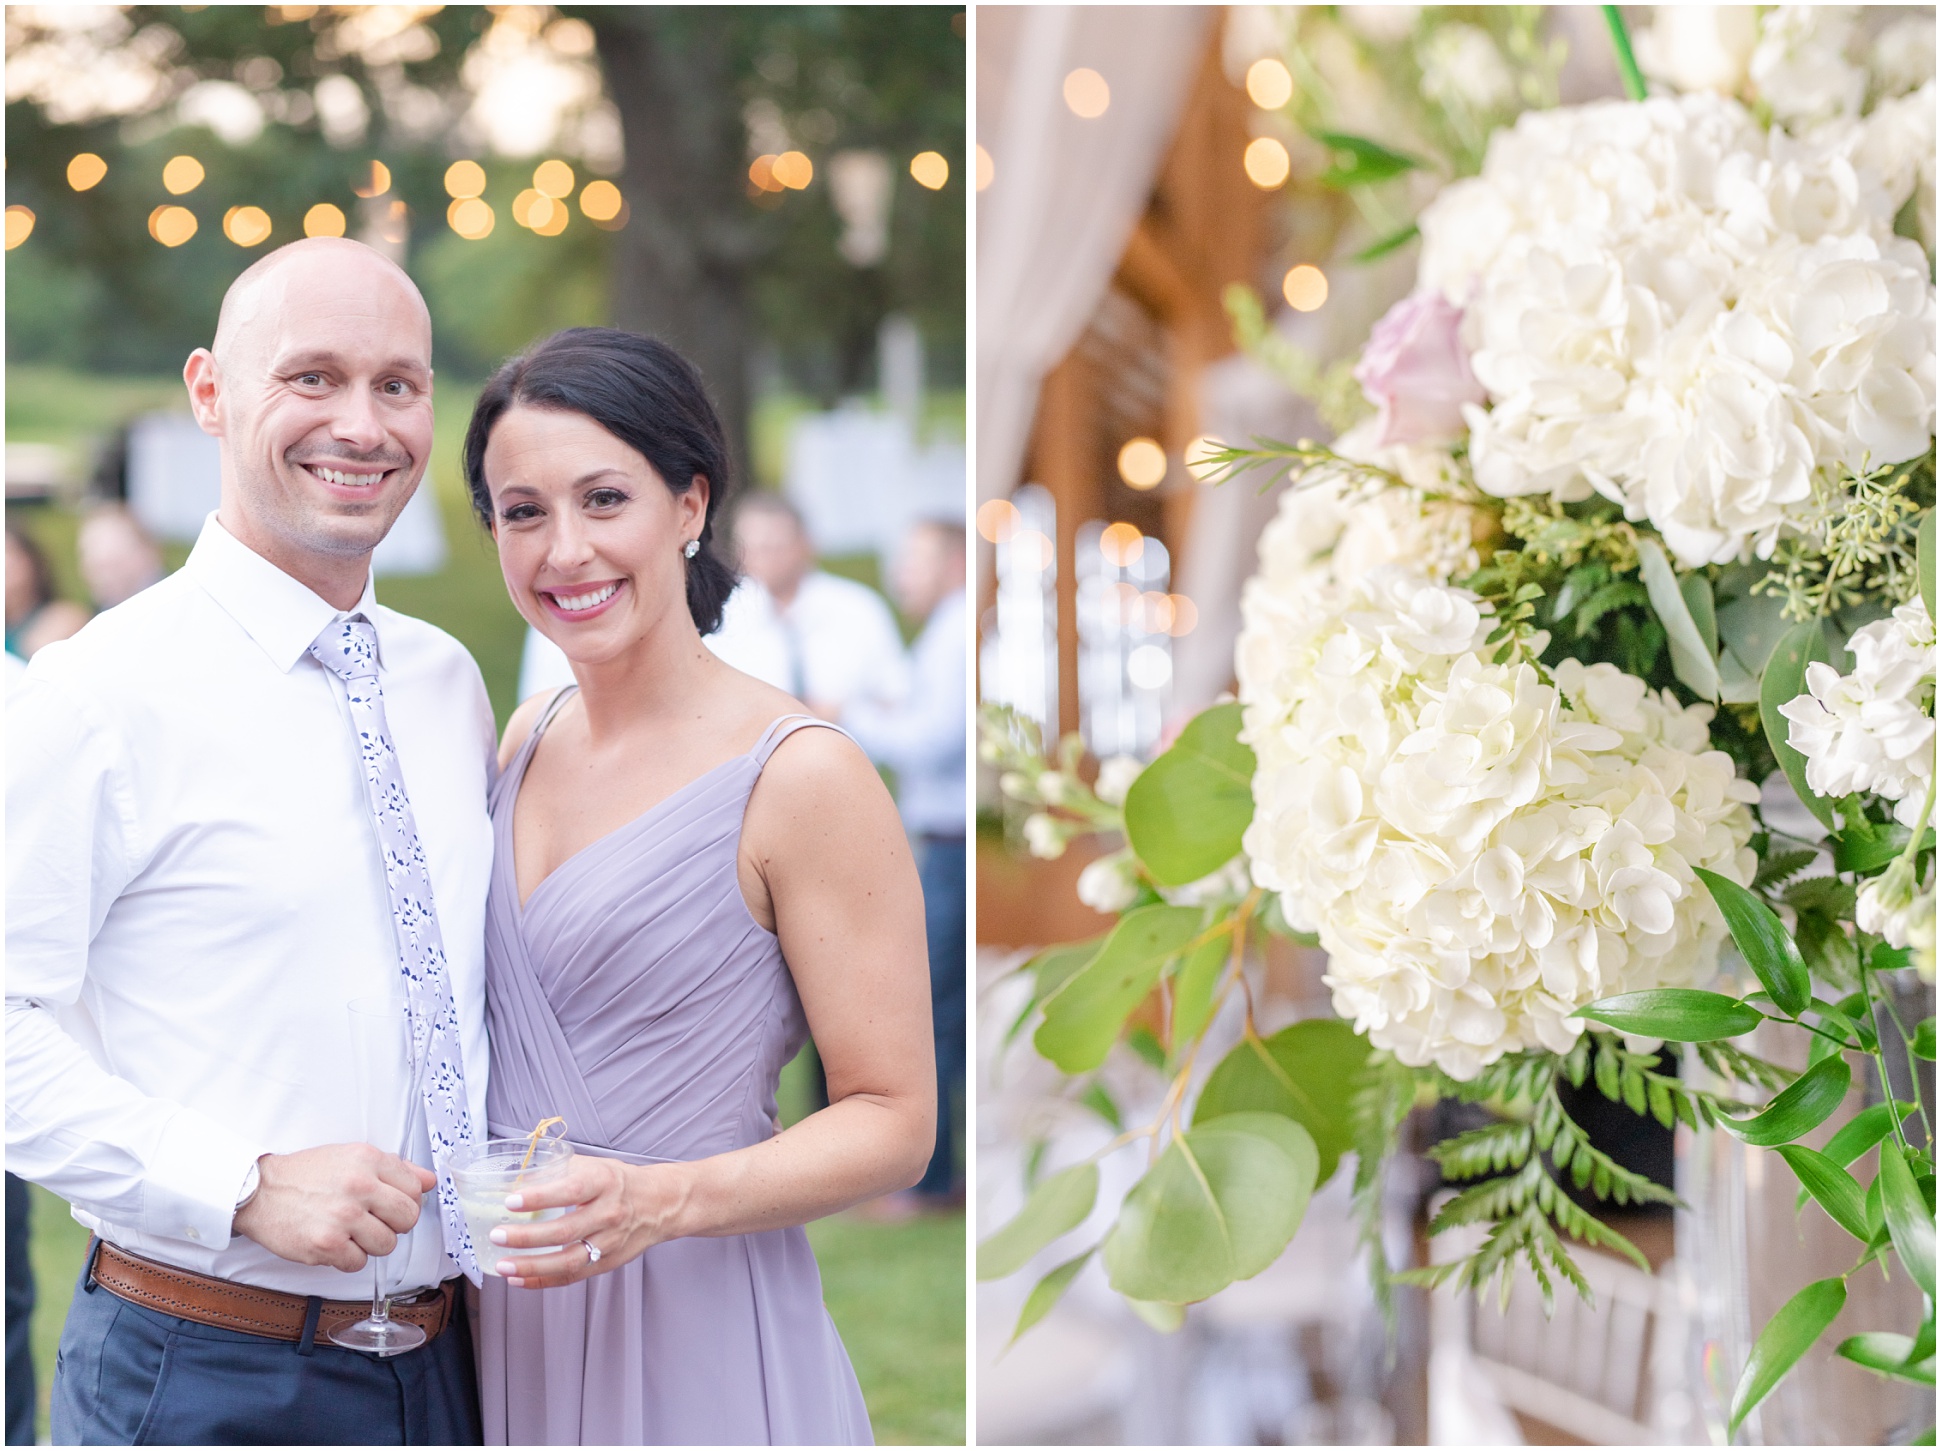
<point>592,1254</point>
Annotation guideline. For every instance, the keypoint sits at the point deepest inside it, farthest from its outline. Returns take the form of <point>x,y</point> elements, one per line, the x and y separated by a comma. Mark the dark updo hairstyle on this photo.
<point>643,393</point>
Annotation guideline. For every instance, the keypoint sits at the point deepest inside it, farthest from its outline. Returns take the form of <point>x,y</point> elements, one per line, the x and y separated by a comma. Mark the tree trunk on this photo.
<point>684,258</point>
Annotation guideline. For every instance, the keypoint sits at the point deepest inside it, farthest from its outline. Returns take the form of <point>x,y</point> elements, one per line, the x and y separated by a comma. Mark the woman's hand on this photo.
<point>623,1209</point>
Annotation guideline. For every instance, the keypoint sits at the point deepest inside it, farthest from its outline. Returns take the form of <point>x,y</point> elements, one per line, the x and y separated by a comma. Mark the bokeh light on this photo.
<point>554,179</point>
<point>1186,615</point>
<point>1032,550</point>
<point>1142,463</point>
<point>182,174</point>
<point>601,201</point>
<point>1267,163</point>
<point>376,181</point>
<point>465,179</point>
<point>1198,457</point>
<point>471,218</point>
<point>998,520</point>
<point>530,209</point>
<point>171,226</point>
<point>246,226</point>
<point>86,170</point>
<point>1305,287</point>
<point>1122,544</point>
<point>323,220</point>
<point>20,226</point>
<point>930,169</point>
<point>1269,86</point>
<point>1087,94</point>
<point>986,169</point>
<point>761,174</point>
<point>1156,612</point>
<point>794,170</point>
<point>555,219</point>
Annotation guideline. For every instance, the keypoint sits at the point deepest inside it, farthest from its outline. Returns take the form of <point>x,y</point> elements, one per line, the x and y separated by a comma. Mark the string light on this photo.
<point>1142,463</point>
<point>930,169</point>
<point>553,179</point>
<point>246,226</point>
<point>323,220</point>
<point>171,226</point>
<point>1122,544</point>
<point>20,226</point>
<point>1267,163</point>
<point>1305,288</point>
<point>1269,86</point>
<point>85,171</point>
<point>182,174</point>
<point>601,201</point>
<point>471,218</point>
<point>377,181</point>
<point>998,520</point>
<point>1087,94</point>
<point>794,170</point>
<point>986,169</point>
<point>465,179</point>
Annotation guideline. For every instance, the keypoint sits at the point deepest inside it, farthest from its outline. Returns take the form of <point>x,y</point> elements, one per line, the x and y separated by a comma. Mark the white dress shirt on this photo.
<point>837,641</point>
<point>195,894</point>
<point>924,737</point>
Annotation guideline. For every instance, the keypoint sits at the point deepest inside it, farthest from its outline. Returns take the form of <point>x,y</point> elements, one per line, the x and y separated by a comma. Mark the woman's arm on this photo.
<point>824,840</point>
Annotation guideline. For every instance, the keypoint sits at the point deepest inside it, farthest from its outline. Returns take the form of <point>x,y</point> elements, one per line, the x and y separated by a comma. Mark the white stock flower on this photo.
<point>1109,885</point>
<point>1872,730</point>
<point>1690,315</point>
<point>1803,67</point>
<point>1889,908</point>
<point>1461,63</point>
<point>1699,47</point>
<point>1116,775</point>
<point>1042,836</point>
<point>1481,852</point>
<point>1902,58</point>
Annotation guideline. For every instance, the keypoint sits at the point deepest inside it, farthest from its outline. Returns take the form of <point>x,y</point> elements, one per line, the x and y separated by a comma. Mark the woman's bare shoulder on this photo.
<point>521,723</point>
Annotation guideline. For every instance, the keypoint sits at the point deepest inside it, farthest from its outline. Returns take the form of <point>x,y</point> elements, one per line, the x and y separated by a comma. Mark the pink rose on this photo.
<point>1415,370</point>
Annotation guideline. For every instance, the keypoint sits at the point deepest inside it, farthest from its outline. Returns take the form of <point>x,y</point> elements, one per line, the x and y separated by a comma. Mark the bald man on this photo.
<point>243,808</point>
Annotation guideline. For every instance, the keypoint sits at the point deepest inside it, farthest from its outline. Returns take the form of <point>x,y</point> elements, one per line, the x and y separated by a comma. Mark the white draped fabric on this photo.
<point>1066,193</point>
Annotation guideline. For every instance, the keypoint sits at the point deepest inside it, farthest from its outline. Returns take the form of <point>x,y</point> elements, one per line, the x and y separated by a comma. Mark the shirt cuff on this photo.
<point>195,1180</point>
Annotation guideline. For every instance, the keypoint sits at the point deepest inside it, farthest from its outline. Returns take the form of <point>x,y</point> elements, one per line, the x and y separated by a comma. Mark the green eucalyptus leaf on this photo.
<point>1801,1107</point>
<point>1193,985</point>
<point>1887,1354</point>
<point>1047,1292</point>
<point>1359,161</point>
<point>1924,556</point>
<point>1787,1336</point>
<point>1784,679</point>
<point>1084,1016</point>
<point>1763,941</point>
<point>1308,1072</point>
<point>1910,1222</point>
<point>1057,1206</point>
<point>1832,1188</point>
<point>1693,661</point>
<point>1163,1317</point>
<point>1220,1205</point>
<point>1676,1014</point>
<point>1050,969</point>
<point>1186,812</point>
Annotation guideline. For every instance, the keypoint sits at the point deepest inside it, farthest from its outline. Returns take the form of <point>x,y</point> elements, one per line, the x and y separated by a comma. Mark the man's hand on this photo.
<point>335,1205</point>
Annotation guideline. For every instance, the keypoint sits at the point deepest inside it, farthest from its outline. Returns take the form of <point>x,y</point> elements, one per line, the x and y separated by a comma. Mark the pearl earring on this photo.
<point>693,548</point>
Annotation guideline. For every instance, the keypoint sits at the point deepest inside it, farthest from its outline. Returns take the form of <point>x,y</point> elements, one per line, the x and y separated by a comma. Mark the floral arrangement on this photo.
<point>1639,515</point>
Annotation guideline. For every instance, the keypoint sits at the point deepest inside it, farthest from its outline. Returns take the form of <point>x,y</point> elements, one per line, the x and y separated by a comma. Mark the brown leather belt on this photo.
<point>274,1314</point>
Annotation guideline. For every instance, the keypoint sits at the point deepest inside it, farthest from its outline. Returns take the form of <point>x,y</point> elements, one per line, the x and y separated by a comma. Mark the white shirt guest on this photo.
<point>179,962</point>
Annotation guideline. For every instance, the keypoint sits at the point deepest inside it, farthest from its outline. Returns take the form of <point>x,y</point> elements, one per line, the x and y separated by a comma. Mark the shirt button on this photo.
<point>192,1232</point>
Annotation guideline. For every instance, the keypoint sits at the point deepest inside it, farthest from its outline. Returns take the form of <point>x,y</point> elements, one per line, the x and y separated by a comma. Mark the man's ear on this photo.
<point>204,379</point>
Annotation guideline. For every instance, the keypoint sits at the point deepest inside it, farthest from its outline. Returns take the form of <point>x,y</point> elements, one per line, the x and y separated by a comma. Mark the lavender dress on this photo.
<point>635,995</point>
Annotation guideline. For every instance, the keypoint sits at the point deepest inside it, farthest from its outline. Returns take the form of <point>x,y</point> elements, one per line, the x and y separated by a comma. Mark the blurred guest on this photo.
<point>118,559</point>
<point>34,617</point>
<point>922,739</point>
<point>20,1315</point>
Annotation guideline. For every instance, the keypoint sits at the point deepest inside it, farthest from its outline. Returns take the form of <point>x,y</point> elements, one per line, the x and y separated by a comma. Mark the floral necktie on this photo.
<point>348,648</point>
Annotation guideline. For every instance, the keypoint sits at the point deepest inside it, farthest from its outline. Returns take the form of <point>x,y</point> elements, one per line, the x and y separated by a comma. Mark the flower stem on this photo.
<point>1627,62</point>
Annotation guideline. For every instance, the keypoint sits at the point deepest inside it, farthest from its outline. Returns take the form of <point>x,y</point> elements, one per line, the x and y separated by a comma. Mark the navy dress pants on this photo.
<point>20,1313</point>
<point>131,1376</point>
<point>940,868</point>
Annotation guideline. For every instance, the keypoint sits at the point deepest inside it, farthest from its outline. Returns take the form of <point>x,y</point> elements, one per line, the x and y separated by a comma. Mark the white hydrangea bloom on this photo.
<point>1693,316</point>
<point>1481,852</point>
<point>1872,730</point>
<point>1803,66</point>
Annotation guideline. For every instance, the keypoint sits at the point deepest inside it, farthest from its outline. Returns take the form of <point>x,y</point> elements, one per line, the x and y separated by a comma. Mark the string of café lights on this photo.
<point>541,208</point>
<point>1143,463</point>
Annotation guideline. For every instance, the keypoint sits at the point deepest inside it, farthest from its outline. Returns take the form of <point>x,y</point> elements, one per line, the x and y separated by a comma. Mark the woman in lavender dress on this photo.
<point>691,876</point>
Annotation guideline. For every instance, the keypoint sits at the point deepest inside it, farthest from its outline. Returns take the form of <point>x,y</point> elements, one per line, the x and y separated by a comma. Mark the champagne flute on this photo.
<point>382,1053</point>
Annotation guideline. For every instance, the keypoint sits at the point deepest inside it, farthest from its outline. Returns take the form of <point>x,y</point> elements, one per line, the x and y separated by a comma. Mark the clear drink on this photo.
<point>485,1173</point>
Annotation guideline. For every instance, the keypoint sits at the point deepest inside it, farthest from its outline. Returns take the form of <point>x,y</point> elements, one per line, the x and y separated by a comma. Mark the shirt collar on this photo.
<point>281,614</point>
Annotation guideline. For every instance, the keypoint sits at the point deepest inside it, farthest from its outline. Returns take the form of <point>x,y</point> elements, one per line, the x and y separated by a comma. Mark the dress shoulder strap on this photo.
<point>785,726</point>
<point>531,742</point>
